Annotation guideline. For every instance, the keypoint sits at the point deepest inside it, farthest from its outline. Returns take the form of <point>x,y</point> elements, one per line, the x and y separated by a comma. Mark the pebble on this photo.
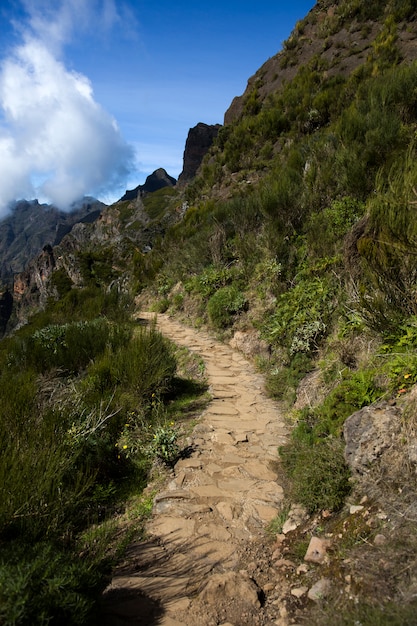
<point>299,592</point>
<point>380,540</point>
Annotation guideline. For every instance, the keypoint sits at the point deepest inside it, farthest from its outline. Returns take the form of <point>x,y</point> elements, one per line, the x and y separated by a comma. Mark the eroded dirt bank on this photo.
<point>205,561</point>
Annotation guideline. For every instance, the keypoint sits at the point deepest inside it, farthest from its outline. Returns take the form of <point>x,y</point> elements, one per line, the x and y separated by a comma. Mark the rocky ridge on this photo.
<point>337,41</point>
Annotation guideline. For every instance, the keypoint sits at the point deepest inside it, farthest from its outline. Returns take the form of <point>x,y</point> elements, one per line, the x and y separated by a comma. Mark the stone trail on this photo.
<point>220,499</point>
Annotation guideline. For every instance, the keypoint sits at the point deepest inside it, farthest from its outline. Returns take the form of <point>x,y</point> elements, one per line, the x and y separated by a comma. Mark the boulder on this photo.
<point>368,433</point>
<point>316,551</point>
<point>319,590</point>
<point>249,343</point>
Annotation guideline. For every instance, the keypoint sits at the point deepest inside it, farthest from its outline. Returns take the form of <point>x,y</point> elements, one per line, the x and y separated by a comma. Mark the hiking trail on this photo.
<point>202,563</point>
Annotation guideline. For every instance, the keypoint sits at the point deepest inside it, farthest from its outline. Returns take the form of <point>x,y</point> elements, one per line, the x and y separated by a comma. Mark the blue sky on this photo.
<point>97,94</point>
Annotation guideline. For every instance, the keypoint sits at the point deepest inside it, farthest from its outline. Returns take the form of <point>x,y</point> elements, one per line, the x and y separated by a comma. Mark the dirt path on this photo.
<point>204,563</point>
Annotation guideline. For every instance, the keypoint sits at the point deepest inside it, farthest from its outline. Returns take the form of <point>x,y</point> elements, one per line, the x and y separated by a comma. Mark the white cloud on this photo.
<point>53,130</point>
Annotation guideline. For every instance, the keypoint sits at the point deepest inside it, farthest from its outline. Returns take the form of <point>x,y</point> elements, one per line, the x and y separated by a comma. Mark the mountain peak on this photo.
<point>158,179</point>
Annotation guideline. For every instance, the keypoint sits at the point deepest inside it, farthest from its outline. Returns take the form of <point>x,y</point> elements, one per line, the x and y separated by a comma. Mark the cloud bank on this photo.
<point>56,141</point>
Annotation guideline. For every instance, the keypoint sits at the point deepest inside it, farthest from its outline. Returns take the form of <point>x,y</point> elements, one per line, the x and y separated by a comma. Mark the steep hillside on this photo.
<point>338,37</point>
<point>296,241</point>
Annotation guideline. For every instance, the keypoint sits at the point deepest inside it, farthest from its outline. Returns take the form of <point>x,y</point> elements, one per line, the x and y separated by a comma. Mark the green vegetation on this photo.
<point>84,412</point>
<point>389,614</point>
<point>156,203</point>
<point>319,476</point>
<point>225,303</point>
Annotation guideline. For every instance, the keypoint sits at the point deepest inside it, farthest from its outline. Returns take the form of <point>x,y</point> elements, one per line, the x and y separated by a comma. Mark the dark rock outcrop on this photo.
<point>157,180</point>
<point>6,307</point>
<point>199,141</point>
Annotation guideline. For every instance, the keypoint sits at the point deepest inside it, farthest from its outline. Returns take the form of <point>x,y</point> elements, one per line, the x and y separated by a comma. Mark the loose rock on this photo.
<point>316,551</point>
<point>319,590</point>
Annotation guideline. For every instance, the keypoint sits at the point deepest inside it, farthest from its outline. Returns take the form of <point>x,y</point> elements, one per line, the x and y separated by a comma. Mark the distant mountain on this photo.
<point>157,180</point>
<point>31,225</point>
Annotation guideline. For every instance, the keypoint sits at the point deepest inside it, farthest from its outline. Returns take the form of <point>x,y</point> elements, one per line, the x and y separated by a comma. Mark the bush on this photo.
<point>326,230</point>
<point>41,584</point>
<point>146,365</point>
<point>318,473</point>
<point>224,304</point>
<point>351,394</point>
<point>69,346</point>
<point>165,444</point>
<point>387,250</point>
<point>302,315</point>
<point>210,280</point>
<point>41,490</point>
<point>90,303</point>
<point>282,382</point>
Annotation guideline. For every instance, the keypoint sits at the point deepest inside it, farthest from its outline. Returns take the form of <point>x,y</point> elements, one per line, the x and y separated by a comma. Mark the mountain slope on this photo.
<point>339,36</point>
<point>30,226</point>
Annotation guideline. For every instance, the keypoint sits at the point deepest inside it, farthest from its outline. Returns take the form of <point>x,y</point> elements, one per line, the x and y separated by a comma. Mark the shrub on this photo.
<point>160,306</point>
<point>157,202</point>
<point>359,389</point>
<point>97,266</point>
<point>224,304</point>
<point>387,250</point>
<point>85,304</point>
<point>40,488</point>
<point>318,473</point>
<point>210,280</point>
<point>302,315</point>
<point>61,281</point>
<point>282,382</point>
<point>69,346</point>
<point>326,229</point>
<point>41,584</point>
<point>385,51</point>
<point>146,365</point>
<point>165,443</point>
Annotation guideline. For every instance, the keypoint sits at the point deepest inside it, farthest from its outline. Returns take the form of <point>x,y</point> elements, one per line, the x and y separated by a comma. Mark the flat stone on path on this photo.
<point>218,500</point>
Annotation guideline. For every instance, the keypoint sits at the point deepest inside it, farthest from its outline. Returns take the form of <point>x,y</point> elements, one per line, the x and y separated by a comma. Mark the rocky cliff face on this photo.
<point>31,226</point>
<point>199,140</point>
<point>32,285</point>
